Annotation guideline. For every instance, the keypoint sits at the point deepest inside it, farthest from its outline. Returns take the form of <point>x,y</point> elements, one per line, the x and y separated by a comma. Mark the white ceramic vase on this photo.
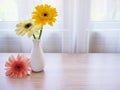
<point>37,58</point>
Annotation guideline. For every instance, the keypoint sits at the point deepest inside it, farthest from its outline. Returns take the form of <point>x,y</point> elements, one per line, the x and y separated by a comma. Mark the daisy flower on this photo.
<point>18,67</point>
<point>44,14</point>
<point>27,27</point>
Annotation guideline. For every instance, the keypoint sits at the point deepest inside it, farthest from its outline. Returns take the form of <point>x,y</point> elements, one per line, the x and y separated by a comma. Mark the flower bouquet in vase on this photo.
<point>43,14</point>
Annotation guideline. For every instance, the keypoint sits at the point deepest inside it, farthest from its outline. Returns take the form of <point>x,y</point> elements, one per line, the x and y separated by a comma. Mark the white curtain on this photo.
<point>68,35</point>
<point>105,31</point>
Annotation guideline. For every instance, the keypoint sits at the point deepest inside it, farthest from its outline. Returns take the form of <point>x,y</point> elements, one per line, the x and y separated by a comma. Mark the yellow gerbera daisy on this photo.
<point>27,27</point>
<point>44,14</point>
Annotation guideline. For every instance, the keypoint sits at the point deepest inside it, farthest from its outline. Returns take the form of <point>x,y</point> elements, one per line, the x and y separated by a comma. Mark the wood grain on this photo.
<point>68,72</point>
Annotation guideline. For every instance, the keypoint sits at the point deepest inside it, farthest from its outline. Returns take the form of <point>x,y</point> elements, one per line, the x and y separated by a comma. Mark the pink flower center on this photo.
<point>18,67</point>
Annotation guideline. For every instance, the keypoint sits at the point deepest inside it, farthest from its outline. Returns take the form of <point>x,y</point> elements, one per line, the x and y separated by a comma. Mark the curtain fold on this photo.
<point>82,25</point>
<point>77,14</point>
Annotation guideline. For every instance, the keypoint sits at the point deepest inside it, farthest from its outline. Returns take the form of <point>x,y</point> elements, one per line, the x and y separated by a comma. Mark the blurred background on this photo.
<point>82,26</point>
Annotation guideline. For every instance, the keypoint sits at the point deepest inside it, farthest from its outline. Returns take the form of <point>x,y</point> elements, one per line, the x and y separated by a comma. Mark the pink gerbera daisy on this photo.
<point>18,67</point>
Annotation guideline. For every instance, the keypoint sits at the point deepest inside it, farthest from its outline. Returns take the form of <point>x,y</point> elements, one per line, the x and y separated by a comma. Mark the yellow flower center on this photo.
<point>28,25</point>
<point>45,14</point>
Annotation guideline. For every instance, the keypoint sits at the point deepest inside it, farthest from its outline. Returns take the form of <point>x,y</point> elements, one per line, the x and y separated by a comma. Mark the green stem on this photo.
<point>40,34</point>
<point>34,36</point>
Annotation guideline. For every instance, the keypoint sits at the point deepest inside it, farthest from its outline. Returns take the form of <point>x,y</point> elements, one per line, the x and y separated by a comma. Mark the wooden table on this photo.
<point>68,72</point>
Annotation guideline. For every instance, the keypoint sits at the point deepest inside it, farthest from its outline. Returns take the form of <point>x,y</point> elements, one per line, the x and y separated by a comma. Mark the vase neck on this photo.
<point>36,42</point>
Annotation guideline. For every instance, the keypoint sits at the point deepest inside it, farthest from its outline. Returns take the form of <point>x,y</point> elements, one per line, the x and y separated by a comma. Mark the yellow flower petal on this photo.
<point>29,34</point>
<point>23,33</point>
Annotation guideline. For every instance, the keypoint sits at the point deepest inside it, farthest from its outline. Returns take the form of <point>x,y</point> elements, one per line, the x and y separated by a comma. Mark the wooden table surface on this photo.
<point>68,72</point>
